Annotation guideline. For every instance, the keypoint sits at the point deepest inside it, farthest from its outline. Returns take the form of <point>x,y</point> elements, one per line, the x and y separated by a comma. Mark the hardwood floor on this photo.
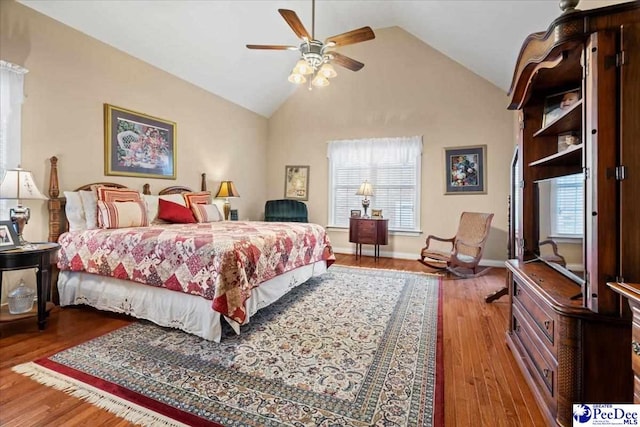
<point>483,384</point>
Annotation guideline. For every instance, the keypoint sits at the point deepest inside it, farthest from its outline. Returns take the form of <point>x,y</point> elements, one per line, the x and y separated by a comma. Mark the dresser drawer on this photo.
<point>635,349</point>
<point>544,320</point>
<point>367,232</point>
<point>542,365</point>
<point>636,389</point>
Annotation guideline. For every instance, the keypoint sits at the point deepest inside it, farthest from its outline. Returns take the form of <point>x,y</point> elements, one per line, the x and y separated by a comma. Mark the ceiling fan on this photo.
<point>316,56</point>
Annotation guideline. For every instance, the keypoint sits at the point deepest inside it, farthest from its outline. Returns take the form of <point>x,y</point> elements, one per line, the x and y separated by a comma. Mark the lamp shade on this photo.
<point>365,189</point>
<point>19,184</point>
<point>227,189</point>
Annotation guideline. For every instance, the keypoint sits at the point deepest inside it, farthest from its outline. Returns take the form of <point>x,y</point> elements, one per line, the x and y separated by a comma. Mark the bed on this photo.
<point>191,276</point>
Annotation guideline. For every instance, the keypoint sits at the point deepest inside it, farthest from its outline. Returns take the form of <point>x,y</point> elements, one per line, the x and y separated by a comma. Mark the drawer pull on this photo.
<point>546,373</point>
<point>518,292</point>
<point>518,329</point>
<point>636,347</point>
<point>547,324</point>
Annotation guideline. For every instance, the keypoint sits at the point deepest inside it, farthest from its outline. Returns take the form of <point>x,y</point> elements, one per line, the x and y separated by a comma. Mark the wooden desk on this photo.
<point>369,232</point>
<point>38,256</point>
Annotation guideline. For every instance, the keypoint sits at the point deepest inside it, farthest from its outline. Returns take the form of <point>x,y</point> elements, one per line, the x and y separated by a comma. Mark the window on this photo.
<point>567,199</point>
<point>391,165</point>
<point>11,97</point>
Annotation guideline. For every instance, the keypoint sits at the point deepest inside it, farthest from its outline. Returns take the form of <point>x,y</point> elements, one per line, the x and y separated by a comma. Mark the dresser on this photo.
<point>368,231</point>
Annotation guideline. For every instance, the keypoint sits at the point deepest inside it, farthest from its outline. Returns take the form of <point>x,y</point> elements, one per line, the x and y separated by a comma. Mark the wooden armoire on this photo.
<point>572,338</point>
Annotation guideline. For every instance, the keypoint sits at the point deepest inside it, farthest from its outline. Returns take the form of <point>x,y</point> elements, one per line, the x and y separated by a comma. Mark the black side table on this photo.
<point>34,255</point>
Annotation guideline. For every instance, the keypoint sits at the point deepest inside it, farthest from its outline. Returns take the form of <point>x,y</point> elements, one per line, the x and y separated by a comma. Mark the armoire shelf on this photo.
<point>570,156</point>
<point>570,121</point>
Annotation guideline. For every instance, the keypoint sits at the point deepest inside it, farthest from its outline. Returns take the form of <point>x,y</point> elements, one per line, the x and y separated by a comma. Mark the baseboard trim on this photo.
<point>368,251</point>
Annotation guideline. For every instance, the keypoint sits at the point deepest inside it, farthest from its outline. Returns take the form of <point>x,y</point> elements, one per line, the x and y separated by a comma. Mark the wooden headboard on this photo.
<point>57,219</point>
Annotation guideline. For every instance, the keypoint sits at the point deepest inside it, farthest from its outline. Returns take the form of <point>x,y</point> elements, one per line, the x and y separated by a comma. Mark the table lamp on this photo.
<point>365,190</point>
<point>227,190</point>
<point>18,184</point>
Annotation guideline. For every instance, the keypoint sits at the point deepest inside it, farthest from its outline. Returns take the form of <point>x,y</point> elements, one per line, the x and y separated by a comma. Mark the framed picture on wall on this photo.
<point>296,182</point>
<point>465,170</point>
<point>136,144</point>
<point>8,236</point>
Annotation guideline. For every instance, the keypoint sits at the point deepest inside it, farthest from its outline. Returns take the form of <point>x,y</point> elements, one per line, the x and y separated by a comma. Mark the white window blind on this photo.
<point>391,165</point>
<point>568,206</point>
<point>11,98</point>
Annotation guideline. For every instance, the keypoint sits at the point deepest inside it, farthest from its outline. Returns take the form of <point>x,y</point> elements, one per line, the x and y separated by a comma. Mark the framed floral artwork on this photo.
<point>136,144</point>
<point>296,182</point>
<point>466,170</point>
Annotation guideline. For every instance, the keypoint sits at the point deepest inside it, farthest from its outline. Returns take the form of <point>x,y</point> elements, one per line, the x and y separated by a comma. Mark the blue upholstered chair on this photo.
<point>285,210</point>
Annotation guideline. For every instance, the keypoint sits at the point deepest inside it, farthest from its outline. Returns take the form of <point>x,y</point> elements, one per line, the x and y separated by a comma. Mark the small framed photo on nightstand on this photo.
<point>8,236</point>
<point>356,213</point>
<point>376,213</point>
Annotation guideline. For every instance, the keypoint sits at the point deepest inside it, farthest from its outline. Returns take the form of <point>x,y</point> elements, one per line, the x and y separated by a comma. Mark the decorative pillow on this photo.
<point>90,206</point>
<point>203,197</point>
<point>174,212</point>
<point>122,214</point>
<point>112,194</point>
<point>206,213</point>
<point>75,211</point>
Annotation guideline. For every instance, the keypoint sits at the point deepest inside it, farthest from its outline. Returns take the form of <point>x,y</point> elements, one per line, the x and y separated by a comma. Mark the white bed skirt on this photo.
<point>190,313</point>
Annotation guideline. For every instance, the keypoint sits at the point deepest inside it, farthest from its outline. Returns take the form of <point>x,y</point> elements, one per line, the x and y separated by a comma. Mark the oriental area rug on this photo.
<point>353,347</point>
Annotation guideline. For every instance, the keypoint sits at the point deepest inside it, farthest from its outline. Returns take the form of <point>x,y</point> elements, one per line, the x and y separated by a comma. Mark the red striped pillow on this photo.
<point>112,194</point>
<point>203,197</point>
<point>122,214</point>
<point>206,213</point>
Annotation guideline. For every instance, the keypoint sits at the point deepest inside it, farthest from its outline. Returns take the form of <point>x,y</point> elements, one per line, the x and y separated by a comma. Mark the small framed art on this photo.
<point>296,182</point>
<point>376,213</point>
<point>557,105</point>
<point>8,236</point>
<point>136,144</point>
<point>465,169</point>
<point>356,213</point>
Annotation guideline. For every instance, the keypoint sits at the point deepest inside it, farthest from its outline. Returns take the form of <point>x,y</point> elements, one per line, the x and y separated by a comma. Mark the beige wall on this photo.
<point>406,88</point>
<point>72,75</point>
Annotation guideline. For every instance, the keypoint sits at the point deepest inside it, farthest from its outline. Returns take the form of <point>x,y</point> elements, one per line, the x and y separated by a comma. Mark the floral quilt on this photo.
<point>221,261</point>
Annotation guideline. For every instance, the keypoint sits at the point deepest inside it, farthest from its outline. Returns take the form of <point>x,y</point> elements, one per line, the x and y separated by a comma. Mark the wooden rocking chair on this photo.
<point>467,246</point>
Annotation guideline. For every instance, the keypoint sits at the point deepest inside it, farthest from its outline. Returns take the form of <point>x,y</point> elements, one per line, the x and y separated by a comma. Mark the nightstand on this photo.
<point>35,255</point>
<point>369,232</point>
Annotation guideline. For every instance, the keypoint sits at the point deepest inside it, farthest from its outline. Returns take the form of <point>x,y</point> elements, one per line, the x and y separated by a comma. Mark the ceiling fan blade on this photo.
<point>350,37</point>
<point>295,23</point>
<point>345,61</point>
<point>271,46</point>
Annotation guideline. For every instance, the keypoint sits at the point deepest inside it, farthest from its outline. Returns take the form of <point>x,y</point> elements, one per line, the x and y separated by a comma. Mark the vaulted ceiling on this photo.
<point>203,42</point>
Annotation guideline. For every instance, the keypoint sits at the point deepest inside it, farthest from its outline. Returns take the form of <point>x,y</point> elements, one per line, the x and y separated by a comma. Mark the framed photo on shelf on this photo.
<point>376,213</point>
<point>465,170</point>
<point>139,145</point>
<point>557,105</point>
<point>356,213</point>
<point>8,236</point>
<point>296,182</point>
<point>567,139</point>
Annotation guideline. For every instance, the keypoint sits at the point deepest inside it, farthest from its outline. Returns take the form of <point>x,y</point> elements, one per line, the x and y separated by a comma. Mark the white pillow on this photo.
<point>175,198</point>
<point>206,213</point>
<point>75,211</point>
<point>90,205</point>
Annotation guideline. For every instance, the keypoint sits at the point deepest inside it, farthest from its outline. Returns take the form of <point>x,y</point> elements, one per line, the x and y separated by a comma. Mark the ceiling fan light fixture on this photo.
<point>296,78</point>
<point>327,71</point>
<point>320,81</point>
<point>302,67</point>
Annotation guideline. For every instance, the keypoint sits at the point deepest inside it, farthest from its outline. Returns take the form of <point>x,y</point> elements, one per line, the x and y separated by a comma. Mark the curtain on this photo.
<point>374,151</point>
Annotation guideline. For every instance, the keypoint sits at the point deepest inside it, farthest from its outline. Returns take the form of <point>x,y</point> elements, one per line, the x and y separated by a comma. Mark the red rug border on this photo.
<point>128,395</point>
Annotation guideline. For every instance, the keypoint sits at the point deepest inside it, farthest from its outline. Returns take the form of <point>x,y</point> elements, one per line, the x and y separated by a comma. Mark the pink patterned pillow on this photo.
<point>206,213</point>
<point>203,197</point>
<point>122,214</point>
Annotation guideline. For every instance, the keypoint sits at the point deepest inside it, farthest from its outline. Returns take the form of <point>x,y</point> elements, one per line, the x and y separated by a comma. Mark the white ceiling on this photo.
<point>203,41</point>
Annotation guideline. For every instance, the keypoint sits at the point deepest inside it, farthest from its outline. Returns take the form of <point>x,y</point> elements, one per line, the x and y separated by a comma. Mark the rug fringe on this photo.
<point>115,405</point>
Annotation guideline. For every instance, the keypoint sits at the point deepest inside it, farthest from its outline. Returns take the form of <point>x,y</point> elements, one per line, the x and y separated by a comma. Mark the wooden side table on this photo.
<point>35,255</point>
<point>369,232</point>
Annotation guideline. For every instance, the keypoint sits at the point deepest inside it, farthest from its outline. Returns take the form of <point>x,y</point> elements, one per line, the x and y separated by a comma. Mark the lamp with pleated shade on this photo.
<point>365,190</point>
<point>18,184</point>
<point>227,190</point>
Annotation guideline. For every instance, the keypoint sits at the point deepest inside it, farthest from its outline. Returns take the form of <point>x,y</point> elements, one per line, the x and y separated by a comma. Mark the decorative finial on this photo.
<point>568,5</point>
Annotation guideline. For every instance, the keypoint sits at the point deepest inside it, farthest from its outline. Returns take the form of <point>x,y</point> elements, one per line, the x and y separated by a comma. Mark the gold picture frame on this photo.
<point>296,182</point>
<point>139,145</point>
<point>376,213</point>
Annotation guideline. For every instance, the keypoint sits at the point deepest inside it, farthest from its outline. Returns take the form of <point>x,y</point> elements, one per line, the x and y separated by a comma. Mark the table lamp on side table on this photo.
<point>227,190</point>
<point>365,190</point>
<point>18,184</point>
